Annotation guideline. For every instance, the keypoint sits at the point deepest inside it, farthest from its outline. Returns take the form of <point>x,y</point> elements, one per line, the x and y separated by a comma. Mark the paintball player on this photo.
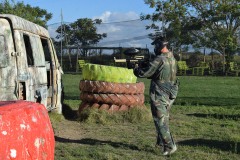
<point>163,91</point>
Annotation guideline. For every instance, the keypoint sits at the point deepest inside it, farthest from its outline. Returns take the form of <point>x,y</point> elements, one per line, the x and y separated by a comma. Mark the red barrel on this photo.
<point>25,131</point>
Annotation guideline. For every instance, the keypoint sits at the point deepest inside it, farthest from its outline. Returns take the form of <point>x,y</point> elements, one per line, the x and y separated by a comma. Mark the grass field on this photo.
<point>204,123</point>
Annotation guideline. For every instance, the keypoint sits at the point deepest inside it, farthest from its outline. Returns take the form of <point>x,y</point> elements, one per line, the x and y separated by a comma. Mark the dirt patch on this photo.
<point>68,129</point>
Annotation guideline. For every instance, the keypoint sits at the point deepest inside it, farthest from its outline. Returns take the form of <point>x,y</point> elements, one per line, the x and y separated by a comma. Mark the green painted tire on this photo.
<point>95,72</point>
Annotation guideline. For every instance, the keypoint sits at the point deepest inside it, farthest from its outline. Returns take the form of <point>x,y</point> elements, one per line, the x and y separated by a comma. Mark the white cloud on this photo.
<point>108,16</point>
<point>52,31</point>
<point>104,17</point>
<point>123,29</point>
<point>134,44</point>
<point>109,29</point>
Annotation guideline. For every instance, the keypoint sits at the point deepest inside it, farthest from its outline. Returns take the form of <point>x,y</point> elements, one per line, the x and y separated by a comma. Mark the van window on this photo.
<point>29,52</point>
<point>38,53</point>
<point>3,53</point>
<point>46,50</point>
<point>48,60</point>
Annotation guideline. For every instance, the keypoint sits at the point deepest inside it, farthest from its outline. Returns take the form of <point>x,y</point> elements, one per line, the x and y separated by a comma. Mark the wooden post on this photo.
<point>224,60</point>
<point>204,57</point>
<point>77,67</point>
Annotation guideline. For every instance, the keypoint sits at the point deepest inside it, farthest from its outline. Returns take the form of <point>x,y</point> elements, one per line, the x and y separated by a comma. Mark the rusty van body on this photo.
<point>29,68</point>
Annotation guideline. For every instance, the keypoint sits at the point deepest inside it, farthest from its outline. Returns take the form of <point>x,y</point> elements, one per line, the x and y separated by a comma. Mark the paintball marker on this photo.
<point>135,56</point>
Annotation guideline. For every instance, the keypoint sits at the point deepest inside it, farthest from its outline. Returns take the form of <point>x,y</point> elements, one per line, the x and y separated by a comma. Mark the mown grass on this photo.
<point>204,123</point>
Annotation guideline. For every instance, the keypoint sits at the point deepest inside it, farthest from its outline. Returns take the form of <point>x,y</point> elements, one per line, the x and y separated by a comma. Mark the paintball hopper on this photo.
<point>134,57</point>
<point>131,52</point>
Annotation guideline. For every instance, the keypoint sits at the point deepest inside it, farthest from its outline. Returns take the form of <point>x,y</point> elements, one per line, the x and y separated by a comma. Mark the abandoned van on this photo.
<point>29,68</point>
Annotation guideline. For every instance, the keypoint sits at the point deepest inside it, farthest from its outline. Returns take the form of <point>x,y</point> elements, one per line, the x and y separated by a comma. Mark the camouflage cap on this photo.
<point>159,40</point>
<point>159,43</point>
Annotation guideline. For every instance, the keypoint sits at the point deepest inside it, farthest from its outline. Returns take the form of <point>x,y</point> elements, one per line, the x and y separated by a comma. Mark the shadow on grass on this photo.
<point>73,97</point>
<point>89,141</point>
<point>217,116</point>
<point>207,101</point>
<point>68,112</point>
<point>220,145</point>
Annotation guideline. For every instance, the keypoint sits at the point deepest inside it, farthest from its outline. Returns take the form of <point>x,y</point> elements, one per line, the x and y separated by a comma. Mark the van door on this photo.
<point>59,86</point>
<point>23,76</point>
<point>37,70</point>
<point>8,69</point>
<point>31,78</point>
<point>51,73</point>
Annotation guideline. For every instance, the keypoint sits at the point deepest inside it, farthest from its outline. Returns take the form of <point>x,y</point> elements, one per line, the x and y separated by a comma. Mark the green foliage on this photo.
<point>194,59</point>
<point>26,11</point>
<point>82,32</point>
<point>212,24</point>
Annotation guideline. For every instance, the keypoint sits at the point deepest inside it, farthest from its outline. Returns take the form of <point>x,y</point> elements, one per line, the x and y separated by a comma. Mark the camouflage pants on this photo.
<point>160,107</point>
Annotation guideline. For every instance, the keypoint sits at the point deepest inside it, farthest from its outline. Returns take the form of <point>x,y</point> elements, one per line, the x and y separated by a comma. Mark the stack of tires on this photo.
<point>110,88</point>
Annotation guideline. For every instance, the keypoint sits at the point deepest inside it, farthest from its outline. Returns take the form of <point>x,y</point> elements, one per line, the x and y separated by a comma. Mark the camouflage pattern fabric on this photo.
<point>163,91</point>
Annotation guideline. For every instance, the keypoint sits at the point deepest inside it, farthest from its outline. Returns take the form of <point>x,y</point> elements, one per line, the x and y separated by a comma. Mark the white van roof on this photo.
<point>19,23</point>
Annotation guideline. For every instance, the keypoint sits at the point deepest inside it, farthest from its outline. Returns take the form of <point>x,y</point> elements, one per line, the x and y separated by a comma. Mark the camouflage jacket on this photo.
<point>162,70</point>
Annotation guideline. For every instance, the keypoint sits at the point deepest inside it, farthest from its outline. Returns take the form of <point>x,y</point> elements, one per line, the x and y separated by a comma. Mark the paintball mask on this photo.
<point>159,43</point>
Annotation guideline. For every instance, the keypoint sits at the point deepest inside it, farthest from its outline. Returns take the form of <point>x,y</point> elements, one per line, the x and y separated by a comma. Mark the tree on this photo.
<point>82,32</point>
<point>33,14</point>
<point>212,23</point>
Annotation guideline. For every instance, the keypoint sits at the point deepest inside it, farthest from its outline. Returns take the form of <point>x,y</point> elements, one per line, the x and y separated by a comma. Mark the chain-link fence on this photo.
<point>133,33</point>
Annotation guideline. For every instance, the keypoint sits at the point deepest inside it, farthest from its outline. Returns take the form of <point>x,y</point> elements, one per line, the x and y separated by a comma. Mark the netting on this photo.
<point>130,33</point>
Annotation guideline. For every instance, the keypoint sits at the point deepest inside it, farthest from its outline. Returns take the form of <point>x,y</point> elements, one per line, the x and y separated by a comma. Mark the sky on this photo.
<point>109,11</point>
